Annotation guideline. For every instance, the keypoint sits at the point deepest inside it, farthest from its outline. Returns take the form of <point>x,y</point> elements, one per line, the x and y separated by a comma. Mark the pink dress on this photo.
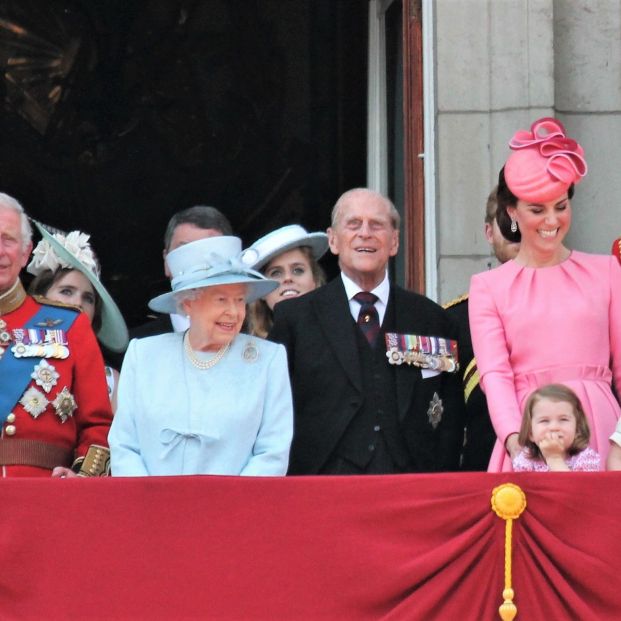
<point>537,326</point>
<point>584,461</point>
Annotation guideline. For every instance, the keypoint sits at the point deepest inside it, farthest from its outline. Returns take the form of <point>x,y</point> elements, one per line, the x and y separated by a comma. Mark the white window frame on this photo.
<point>377,160</point>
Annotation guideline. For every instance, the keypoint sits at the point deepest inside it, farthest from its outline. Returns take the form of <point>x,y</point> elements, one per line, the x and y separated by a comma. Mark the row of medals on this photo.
<point>29,344</point>
<point>54,345</point>
<point>435,362</point>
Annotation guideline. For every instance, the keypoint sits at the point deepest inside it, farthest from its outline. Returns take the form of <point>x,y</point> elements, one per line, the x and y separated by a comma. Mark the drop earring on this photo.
<point>514,226</point>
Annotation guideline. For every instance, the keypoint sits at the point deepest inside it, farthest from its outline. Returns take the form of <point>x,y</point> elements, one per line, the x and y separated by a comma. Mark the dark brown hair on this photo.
<point>505,198</point>
<point>554,392</point>
<point>491,205</point>
<point>42,283</point>
<point>201,216</point>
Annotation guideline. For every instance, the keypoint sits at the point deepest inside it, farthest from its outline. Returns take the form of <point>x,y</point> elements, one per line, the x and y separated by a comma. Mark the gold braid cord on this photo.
<point>508,503</point>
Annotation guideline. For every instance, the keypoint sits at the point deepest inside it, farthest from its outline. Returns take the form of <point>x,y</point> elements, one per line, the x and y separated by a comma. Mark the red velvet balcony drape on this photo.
<point>410,547</point>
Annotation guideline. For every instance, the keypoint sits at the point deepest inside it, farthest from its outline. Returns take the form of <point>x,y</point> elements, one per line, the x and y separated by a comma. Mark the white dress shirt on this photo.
<point>382,291</point>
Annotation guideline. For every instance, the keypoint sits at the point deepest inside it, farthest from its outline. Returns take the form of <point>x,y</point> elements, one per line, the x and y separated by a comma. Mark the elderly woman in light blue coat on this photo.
<point>210,400</point>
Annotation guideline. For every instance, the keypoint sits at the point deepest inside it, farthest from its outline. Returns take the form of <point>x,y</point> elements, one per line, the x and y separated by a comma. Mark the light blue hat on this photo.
<point>206,263</point>
<point>282,240</point>
<point>73,251</point>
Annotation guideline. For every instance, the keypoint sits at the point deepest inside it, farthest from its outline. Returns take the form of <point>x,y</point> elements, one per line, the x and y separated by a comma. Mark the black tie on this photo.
<point>368,319</point>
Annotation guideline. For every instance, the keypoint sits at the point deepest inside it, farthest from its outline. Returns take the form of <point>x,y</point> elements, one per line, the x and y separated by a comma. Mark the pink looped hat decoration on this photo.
<point>544,162</point>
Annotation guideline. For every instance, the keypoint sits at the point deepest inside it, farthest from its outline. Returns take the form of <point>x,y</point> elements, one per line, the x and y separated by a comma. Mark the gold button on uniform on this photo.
<point>9,430</point>
<point>10,418</point>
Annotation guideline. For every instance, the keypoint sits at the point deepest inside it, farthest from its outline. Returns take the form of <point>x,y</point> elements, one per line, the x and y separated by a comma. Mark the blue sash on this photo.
<point>15,373</point>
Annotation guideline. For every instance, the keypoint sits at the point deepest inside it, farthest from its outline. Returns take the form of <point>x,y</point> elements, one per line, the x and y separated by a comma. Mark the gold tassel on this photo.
<point>508,502</point>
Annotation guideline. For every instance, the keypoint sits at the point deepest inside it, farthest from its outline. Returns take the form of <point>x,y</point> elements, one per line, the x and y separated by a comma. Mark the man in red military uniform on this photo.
<point>53,397</point>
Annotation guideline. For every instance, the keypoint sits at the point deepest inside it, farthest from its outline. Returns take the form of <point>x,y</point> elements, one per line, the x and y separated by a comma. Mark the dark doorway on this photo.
<point>116,114</point>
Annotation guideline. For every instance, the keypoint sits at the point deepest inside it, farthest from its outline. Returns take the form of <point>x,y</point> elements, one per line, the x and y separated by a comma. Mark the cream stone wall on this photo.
<point>500,64</point>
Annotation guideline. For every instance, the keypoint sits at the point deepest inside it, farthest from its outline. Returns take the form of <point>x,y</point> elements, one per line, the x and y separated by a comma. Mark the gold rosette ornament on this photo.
<point>508,503</point>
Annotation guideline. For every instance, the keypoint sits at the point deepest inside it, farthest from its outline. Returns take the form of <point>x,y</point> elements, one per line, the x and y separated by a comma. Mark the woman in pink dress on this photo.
<point>551,315</point>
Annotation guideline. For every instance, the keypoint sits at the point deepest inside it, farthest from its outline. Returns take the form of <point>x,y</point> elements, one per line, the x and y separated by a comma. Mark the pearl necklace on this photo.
<point>203,364</point>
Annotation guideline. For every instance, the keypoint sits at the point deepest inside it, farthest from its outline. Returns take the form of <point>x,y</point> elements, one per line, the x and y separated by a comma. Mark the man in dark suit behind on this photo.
<point>185,226</point>
<point>355,413</point>
<point>479,434</point>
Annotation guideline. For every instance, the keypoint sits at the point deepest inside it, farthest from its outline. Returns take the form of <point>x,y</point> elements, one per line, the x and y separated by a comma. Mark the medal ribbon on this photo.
<point>430,351</point>
<point>15,372</point>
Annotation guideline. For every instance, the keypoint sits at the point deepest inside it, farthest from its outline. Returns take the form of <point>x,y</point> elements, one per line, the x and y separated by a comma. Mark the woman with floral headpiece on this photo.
<point>67,270</point>
<point>551,315</point>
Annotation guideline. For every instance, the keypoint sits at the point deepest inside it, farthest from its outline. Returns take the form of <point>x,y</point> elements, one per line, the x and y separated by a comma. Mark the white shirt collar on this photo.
<point>382,291</point>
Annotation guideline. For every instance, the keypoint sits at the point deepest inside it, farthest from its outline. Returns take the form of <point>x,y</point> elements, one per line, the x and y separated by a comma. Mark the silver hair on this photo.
<point>8,202</point>
<point>395,217</point>
<point>186,296</point>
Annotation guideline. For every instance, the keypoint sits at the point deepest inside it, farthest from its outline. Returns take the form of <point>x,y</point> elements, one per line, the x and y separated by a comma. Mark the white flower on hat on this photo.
<point>76,243</point>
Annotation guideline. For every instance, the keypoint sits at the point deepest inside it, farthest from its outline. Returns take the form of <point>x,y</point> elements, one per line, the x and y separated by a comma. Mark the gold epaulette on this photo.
<point>471,379</point>
<point>456,301</point>
<point>41,299</point>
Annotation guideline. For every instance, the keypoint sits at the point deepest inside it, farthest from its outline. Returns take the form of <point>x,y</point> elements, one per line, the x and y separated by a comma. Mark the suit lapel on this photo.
<point>335,320</point>
<point>406,376</point>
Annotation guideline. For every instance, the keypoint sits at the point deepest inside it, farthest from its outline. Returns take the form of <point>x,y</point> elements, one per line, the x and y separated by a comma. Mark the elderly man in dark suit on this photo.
<point>365,402</point>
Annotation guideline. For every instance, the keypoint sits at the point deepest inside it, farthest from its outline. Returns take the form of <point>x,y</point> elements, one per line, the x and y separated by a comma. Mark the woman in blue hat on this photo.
<point>291,256</point>
<point>210,400</point>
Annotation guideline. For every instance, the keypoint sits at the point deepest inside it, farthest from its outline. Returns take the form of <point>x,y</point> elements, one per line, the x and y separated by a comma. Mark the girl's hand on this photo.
<point>552,445</point>
<point>552,448</point>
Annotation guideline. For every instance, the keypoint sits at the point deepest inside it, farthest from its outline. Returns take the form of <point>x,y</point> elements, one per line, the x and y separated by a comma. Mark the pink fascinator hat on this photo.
<point>544,162</point>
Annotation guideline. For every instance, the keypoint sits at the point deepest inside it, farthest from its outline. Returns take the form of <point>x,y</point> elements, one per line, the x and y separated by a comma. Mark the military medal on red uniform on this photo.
<point>34,402</point>
<point>49,323</point>
<point>40,343</point>
<point>5,337</point>
<point>64,404</point>
<point>45,375</point>
<point>18,372</point>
